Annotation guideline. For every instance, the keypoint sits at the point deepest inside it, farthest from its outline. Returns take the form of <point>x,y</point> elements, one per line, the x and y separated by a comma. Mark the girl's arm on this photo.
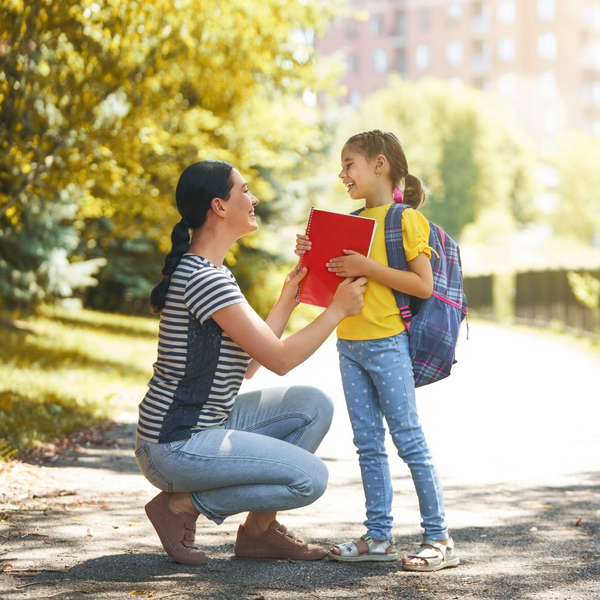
<point>256,338</point>
<point>417,281</point>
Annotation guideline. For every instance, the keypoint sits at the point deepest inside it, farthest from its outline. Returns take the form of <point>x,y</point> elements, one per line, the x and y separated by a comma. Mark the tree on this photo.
<point>577,215</point>
<point>107,101</point>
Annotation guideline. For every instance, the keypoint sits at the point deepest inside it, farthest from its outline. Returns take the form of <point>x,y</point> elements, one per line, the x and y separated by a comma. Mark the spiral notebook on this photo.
<point>331,233</point>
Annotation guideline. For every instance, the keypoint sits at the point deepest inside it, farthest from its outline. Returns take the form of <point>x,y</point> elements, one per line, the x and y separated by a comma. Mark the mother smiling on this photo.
<point>211,451</point>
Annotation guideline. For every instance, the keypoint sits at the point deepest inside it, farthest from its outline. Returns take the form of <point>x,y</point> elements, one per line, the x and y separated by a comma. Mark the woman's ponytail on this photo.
<point>196,188</point>
<point>414,192</point>
<point>180,238</point>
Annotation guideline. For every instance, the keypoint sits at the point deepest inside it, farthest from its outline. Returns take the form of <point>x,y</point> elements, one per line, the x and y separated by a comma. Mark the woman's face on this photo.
<point>241,205</point>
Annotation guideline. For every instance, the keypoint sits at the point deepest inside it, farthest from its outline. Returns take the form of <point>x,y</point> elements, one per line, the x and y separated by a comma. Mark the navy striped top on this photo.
<point>199,369</point>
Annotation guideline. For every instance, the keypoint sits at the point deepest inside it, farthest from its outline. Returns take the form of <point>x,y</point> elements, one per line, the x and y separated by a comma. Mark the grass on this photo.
<point>61,371</point>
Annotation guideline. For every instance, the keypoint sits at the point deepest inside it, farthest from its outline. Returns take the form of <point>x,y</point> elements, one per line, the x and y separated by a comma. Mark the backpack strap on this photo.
<point>395,253</point>
<point>396,258</point>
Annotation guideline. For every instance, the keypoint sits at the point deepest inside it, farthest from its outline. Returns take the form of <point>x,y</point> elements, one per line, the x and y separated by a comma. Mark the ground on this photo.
<point>516,434</point>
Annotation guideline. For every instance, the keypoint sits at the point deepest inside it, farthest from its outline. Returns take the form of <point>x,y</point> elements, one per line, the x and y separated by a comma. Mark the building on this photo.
<point>541,55</point>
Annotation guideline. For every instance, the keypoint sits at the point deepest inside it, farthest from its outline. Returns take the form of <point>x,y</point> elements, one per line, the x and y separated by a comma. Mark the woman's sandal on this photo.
<point>376,551</point>
<point>435,561</point>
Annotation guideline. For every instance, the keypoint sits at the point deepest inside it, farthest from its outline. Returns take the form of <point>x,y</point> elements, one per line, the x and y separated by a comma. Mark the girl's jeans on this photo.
<point>260,459</point>
<point>378,382</point>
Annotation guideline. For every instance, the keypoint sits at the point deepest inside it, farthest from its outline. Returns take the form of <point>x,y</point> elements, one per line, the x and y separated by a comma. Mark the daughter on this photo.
<point>374,359</point>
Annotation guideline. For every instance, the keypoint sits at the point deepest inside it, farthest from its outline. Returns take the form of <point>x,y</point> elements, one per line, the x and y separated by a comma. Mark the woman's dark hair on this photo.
<point>372,143</point>
<point>197,186</point>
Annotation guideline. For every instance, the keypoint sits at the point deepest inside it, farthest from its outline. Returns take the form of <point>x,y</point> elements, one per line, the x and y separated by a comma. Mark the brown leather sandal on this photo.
<point>277,542</point>
<point>177,531</point>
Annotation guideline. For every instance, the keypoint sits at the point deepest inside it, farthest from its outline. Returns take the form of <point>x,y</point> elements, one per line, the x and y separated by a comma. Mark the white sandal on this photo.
<point>376,551</point>
<point>434,560</point>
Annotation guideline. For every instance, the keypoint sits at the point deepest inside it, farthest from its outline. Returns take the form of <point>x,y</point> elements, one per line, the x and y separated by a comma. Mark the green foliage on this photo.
<point>585,288</point>
<point>577,215</point>
<point>61,371</point>
<point>116,97</point>
<point>25,421</point>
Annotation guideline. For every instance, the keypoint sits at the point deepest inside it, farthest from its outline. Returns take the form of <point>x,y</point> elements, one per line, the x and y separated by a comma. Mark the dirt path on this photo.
<point>516,431</point>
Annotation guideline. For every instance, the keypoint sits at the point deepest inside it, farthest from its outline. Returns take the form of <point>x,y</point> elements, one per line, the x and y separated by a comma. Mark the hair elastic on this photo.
<point>398,196</point>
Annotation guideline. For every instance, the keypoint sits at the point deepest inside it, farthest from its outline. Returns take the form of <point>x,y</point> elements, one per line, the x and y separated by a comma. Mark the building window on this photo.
<point>354,98</point>
<point>399,24</point>
<point>454,53</point>
<point>352,30</point>
<point>379,58</point>
<point>423,56</point>
<point>547,83</point>
<point>506,49</point>
<point>547,46</point>
<point>353,64</point>
<point>424,17</point>
<point>400,61</point>
<point>507,11</point>
<point>507,85</point>
<point>376,25</point>
<point>480,17</point>
<point>546,9</point>
<point>590,93</point>
<point>551,123</point>
<point>453,12</point>
<point>481,54</point>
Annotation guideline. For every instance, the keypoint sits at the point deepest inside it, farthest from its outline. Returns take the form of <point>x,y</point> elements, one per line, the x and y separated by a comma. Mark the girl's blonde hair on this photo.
<point>372,143</point>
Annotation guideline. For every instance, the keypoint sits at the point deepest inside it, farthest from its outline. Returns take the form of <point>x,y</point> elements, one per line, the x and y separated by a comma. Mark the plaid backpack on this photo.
<point>432,324</point>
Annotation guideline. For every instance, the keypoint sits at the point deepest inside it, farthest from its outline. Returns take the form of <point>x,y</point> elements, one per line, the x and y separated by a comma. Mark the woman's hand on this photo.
<point>290,285</point>
<point>348,298</point>
<point>352,264</point>
<point>302,244</point>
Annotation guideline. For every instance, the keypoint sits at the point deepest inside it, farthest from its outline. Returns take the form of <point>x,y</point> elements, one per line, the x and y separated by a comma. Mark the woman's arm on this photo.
<point>256,338</point>
<point>282,309</point>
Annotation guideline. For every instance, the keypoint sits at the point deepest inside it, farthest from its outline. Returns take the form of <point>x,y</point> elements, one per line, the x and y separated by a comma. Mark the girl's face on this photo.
<point>357,174</point>
<point>241,205</point>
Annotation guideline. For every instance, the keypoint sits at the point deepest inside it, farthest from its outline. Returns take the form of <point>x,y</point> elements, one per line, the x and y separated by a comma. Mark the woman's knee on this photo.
<point>319,478</point>
<point>316,402</point>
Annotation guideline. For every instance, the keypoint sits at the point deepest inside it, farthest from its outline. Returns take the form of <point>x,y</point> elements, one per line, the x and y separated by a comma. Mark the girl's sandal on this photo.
<point>376,551</point>
<point>434,560</point>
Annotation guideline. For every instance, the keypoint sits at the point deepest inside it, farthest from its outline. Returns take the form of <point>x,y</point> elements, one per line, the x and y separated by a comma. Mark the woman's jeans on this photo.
<point>260,459</point>
<point>378,382</point>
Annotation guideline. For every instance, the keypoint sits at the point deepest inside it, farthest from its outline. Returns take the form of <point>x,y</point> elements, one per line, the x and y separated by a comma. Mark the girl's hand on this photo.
<point>348,298</point>
<point>302,244</point>
<point>290,285</point>
<point>352,264</point>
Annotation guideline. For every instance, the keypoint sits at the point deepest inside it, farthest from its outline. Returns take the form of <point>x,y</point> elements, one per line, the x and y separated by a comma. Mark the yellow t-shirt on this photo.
<point>380,316</point>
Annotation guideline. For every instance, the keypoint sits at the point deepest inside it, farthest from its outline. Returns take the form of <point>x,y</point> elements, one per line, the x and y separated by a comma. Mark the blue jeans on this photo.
<point>260,459</point>
<point>378,382</point>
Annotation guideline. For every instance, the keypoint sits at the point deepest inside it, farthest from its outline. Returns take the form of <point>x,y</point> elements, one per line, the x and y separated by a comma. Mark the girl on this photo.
<point>211,452</point>
<point>375,364</point>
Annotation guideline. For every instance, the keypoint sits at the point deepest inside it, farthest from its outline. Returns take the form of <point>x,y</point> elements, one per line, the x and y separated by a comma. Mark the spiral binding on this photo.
<point>310,216</point>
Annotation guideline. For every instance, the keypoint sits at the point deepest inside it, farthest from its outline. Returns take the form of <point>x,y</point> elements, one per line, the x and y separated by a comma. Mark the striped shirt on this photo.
<point>199,369</point>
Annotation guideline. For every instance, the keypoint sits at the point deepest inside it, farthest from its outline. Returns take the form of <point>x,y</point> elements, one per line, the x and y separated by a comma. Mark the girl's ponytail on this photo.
<point>180,238</point>
<point>414,192</point>
<point>372,143</point>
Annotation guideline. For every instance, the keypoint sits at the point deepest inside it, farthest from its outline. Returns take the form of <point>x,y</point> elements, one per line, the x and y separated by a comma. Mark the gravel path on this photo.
<point>516,433</point>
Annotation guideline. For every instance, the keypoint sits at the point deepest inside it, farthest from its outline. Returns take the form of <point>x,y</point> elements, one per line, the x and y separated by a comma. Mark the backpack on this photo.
<point>433,324</point>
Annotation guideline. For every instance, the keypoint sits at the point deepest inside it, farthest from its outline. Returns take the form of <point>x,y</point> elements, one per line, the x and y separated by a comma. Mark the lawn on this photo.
<point>61,371</point>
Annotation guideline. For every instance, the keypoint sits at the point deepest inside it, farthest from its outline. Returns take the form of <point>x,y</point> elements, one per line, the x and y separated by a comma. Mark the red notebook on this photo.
<point>331,233</point>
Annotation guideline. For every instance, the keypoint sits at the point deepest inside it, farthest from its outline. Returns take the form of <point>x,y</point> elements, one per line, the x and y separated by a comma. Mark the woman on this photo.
<point>212,452</point>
